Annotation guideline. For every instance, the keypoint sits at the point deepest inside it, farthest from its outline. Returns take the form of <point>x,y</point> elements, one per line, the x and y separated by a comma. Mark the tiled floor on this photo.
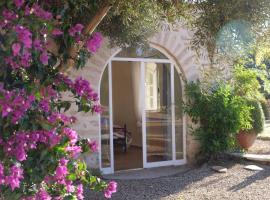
<point>132,159</point>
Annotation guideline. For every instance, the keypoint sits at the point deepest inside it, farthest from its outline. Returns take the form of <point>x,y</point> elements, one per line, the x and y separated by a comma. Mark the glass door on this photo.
<point>158,114</point>
<point>106,128</point>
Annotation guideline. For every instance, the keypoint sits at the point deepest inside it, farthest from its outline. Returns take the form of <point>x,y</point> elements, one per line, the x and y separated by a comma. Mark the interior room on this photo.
<point>128,102</point>
<point>127,120</point>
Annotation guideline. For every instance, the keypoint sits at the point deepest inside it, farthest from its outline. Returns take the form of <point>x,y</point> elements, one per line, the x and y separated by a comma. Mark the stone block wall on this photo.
<point>175,45</point>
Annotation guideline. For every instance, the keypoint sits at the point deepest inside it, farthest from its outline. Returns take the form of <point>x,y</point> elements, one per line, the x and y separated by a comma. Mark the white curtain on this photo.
<point>136,84</point>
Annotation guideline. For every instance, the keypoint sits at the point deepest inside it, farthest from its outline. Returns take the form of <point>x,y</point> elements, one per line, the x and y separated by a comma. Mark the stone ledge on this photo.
<point>252,157</point>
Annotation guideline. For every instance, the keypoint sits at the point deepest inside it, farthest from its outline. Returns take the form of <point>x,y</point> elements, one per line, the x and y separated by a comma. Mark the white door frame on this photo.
<point>146,164</point>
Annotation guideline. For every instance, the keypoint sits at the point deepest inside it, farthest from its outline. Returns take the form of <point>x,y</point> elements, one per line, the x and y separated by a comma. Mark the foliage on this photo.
<point>220,113</point>
<point>239,23</point>
<point>246,83</point>
<point>38,149</point>
<point>127,23</point>
<point>265,109</point>
<point>257,117</point>
<point>260,67</point>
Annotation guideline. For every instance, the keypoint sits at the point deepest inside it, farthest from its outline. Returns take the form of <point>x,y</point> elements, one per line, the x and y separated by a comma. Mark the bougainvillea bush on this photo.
<point>38,148</point>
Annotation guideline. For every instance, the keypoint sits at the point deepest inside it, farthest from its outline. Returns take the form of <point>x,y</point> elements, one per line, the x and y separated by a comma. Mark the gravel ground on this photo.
<point>260,147</point>
<point>199,183</point>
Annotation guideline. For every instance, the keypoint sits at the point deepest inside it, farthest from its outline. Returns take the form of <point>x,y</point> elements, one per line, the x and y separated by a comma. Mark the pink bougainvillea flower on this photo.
<point>61,172</point>
<point>75,30</point>
<point>111,188</point>
<point>42,195</point>
<point>9,14</point>
<point>26,58</point>
<point>80,192</point>
<point>57,32</point>
<point>71,134</point>
<point>2,175</point>
<point>93,145</point>
<point>37,45</point>
<point>94,43</point>
<point>39,12</point>
<point>15,177</point>
<point>44,104</point>
<point>18,3</point>
<point>16,47</point>
<point>97,109</point>
<point>69,186</point>
<point>24,36</point>
<point>6,110</point>
<point>63,161</point>
<point>74,151</point>
<point>27,11</point>
<point>44,58</point>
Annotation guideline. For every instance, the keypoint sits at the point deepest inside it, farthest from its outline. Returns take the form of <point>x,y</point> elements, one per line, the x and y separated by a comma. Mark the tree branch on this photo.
<point>90,28</point>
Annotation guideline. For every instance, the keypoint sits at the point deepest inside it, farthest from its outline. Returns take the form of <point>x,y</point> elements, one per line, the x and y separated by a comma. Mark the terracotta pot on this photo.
<point>246,139</point>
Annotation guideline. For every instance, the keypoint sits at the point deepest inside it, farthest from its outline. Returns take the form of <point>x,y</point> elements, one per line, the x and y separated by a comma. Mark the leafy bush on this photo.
<point>221,115</point>
<point>245,83</point>
<point>257,117</point>
<point>265,110</point>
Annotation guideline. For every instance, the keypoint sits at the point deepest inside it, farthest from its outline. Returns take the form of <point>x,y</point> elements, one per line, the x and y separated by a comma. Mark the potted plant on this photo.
<point>246,138</point>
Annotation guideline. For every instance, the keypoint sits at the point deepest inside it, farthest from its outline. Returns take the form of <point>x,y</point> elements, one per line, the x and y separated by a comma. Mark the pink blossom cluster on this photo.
<point>81,88</point>
<point>71,134</point>
<point>21,142</point>
<point>73,149</point>
<point>18,3</point>
<point>14,104</point>
<point>76,30</point>
<point>8,17</point>
<point>94,43</point>
<point>39,12</point>
<point>60,177</point>
<point>47,94</point>
<point>14,177</point>
<point>57,117</point>
<point>21,49</point>
<point>111,188</point>
<point>42,195</point>
<point>93,145</point>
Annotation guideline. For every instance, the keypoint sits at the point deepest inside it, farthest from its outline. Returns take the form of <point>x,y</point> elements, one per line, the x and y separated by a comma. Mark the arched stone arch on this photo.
<point>175,45</point>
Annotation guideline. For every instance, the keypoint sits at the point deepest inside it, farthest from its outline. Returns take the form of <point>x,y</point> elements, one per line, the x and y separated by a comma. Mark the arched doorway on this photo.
<point>142,124</point>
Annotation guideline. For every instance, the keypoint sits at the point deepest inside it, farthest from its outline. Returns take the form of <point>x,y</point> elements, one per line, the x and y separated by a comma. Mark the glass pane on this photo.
<point>158,112</point>
<point>141,52</point>
<point>178,116</point>
<point>127,115</point>
<point>105,120</point>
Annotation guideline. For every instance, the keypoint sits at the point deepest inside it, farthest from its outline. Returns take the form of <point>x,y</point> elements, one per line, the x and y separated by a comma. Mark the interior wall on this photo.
<point>125,99</point>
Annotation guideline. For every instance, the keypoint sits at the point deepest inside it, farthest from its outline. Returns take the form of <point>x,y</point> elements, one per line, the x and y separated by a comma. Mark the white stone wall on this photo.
<point>174,44</point>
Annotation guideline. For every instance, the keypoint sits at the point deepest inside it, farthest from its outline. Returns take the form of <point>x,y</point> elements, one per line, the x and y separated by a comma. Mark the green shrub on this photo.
<point>265,110</point>
<point>257,116</point>
<point>221,115</point>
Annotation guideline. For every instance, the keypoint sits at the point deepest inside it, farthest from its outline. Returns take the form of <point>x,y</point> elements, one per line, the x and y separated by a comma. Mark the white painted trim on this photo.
<point>104,170</point>
<point>142,60</point>
<point>99,132</point>
<point>143,114</point>
<point>173,113</point>
<point>107,170</point>
<point>111,115</point>
<point>142,67</point>
<point>184,123</point>
<point>165,163</point>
